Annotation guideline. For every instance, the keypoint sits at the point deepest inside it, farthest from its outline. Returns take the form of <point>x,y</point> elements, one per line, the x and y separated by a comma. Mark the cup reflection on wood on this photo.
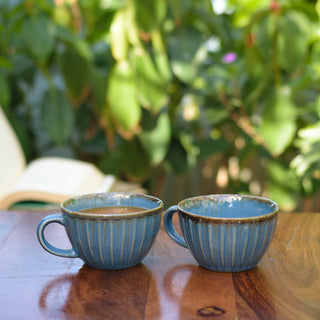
<point>106,240</point>
<point>226,233</point>
<point>215,302</point>
<point>98,294</point>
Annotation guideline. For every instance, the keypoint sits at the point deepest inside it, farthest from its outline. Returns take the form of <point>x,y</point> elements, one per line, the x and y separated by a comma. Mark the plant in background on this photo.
<point>169,88</point>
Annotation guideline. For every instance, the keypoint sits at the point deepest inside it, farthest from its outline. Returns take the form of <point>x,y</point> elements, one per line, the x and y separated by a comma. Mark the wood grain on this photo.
<point>167,285</point>
<point>286,283</point>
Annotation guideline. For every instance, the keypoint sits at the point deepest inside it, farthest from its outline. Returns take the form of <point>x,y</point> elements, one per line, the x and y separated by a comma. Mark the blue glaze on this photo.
<point>54,218</point>
<point>107,241</point>
<point>167,220</point>
<point>226,233</point>
<point>228,206</point>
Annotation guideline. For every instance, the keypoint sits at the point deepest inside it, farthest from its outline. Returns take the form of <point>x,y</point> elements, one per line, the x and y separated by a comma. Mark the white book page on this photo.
<point>60,176</point>
<point>12,161</point>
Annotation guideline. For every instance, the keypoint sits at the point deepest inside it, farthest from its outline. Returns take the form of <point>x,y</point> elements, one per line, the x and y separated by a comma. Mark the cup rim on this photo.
<point>78,214</point>
<point>264,200</point>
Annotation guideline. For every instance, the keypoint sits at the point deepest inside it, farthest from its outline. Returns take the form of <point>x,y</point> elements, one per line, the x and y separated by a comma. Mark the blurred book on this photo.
<point>47,179</point>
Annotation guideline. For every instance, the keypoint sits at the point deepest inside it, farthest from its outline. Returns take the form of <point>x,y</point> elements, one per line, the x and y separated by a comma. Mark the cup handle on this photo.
<point>54,218</point>
<point>171,231</point>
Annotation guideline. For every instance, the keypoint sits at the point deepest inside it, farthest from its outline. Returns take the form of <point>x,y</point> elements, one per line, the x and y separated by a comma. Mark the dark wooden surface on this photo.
<point>167,285</point>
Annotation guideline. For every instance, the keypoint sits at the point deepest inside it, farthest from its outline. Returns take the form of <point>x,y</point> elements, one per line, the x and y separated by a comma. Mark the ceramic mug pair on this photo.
<point>225,233</point>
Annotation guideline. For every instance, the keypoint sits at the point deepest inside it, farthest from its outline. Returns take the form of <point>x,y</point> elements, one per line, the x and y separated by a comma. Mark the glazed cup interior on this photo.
<point>228,207</point>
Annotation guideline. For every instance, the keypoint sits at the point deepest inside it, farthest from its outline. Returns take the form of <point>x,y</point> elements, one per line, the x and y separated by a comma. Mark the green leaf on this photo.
<point>282,186</point>
<point>5,93</point>
<point>148,120</point>
<point>302,163</point>
<point>62,16</point>
<point>208,147</point>
<point>246,10</point>
<point>151,89</point>
<point>216,78</point>
<point>317,106</point>
<point>80,45</point>
<point>5,63</point>
<point>180,8</point>
<point>177,157</point>
<point>183,46</point>
<point>308,160</point>
<point>131,25</point>
<point>163,66</point>
<point>303,21</point>
<point>286,200</point>
<point>216,116</point>
<point>292,42</point>
<point>38,33</point>
<point>95,145</point>
<point>57,116</point>
<point>76,72</point>
<point>310,133</point>
<point>118,37</point>
<point>277,135</point>
<point>20,126</point>
<point>111,162</point>
<point>136,163</point>
<point>112,4</point>
<point>185,71</point>
<point>266,29</point>
<point>280,174</point>
<point>121,97</point>
<point>156,141</point>
<point>160,56</point>
<point>184,43</point>
<point>99,86</point>
<point>149,14</point>
<point>278,125</point>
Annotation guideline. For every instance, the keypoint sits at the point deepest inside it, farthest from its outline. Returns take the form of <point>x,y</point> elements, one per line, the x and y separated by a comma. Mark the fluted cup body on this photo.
<point>227,233</point>
<point>107,241</point>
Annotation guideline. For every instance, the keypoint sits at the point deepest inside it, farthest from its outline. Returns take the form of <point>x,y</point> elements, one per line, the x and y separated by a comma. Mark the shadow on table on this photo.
<point>98,294</point>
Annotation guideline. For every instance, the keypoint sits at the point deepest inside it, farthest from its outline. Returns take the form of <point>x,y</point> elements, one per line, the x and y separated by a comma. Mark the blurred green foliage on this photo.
<point>141,87</point>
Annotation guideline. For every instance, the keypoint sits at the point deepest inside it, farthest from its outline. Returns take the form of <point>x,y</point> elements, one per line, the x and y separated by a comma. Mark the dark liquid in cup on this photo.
<point>113,210</point>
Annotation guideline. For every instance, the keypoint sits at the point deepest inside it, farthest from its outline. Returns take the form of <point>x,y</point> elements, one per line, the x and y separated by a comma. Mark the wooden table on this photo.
<point>167,285</point>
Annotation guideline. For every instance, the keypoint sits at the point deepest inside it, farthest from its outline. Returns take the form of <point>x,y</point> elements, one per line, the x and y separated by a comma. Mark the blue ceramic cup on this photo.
<point>227,233</point>
<point>106,240</point>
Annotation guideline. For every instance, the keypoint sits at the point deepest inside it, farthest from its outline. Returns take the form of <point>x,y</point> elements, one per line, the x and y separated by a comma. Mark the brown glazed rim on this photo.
<point>145,212</point>
<point>257,218</point>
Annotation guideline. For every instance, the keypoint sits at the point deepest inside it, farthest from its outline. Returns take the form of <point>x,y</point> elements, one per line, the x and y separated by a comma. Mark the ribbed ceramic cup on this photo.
<point>106,241</point>
<point>227,233</point>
